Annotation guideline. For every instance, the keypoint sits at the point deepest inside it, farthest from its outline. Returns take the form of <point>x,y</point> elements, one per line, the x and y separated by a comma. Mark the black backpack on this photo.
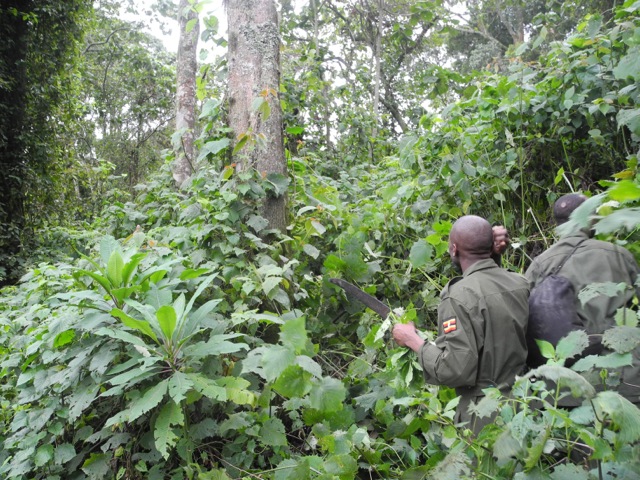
<point>552,312</point>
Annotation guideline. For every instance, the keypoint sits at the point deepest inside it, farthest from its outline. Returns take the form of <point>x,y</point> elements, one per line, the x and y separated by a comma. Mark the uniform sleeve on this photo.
<point>532,274</point>
<point>453,359</point>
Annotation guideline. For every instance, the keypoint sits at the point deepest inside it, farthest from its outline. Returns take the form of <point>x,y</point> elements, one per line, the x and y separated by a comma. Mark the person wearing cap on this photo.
<point>593,261</point>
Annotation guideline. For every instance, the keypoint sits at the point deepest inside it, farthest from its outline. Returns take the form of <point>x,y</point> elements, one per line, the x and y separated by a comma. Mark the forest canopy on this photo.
<point>156,328</point>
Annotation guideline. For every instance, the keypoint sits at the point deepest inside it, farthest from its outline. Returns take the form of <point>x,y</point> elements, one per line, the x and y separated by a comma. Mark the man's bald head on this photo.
<point>565,205</point>
<point>472,237</point>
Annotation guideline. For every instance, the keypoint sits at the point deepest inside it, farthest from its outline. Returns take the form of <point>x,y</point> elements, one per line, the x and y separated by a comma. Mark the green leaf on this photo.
<point>295,130</point>
<point>624,219</point>
<point>626,317</point>
<point>236,389</point>
<point>165,438</point>
<point>108,245</point>
<point>622,339</point>
<point>151,399</point>
<point>309,365</point>
<point>609,361</point>
<point>217,345</point>
<point>139,325</point>
<point>625,190</point>
<point>272,433</point>
<point>257,223</point>
<point>96,467</point>
<point>327,395</point>
<point>293,382</point>
<point>64,338</point>
<point>279,182</point>
<point>130,267</point>
<point>564,377</point>
<point>594,290</point>
<point>270,283</point>
<point>179,385</point>
<point>213,147</point>
<point>568,472</point>
<point>104,283</point>
<point>43,455</point>
<point>310,250</point>
<point>275,359</point>
<point>573,344</point>
<point>191,24</point>
<point>208,387</point>
<point>63,453</point>
<point>624,414</point>
<point>167,320</point>
<point>628,66</point>
<point>344,466</point>
<point>420,253</point>
<point>546,348</point>
<point>293,334</point>
<point>115,268</point>
<point>630,118</point>
<point>488,404</point>
<point>122,335</point>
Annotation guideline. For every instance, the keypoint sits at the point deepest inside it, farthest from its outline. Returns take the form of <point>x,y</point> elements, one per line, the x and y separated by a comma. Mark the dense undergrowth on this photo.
<point>180,338</point>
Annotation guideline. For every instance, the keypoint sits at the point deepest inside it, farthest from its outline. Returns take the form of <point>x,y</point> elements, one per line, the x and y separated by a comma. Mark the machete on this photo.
<point>369,301</point>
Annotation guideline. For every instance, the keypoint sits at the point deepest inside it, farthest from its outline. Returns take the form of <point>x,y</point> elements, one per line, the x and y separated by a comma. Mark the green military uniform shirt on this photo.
<point>482,322</point>
<point>594,261</point>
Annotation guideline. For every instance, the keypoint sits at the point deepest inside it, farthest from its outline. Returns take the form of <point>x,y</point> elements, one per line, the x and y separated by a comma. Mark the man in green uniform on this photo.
<point>482,322</point>
<point>594,261</point>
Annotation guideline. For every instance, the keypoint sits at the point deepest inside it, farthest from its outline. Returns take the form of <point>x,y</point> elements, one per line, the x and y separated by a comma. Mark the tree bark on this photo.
<point>254,73</point>
<point>187,67</point>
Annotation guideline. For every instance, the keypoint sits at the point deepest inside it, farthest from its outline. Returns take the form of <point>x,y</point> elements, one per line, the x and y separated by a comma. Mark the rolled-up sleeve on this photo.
<point>453,359</point>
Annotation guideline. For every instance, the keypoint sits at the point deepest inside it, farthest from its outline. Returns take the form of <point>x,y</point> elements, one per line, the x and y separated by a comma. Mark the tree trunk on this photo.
<point>254,73</point>
<point>187,68</point>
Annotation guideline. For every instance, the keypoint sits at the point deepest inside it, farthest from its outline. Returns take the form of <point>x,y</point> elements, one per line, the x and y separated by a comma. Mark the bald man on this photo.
<point>482,322</point>
<point>593,261</point>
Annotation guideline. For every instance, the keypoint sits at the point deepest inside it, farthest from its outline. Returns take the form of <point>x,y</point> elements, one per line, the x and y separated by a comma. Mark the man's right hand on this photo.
<point>405,335</point>
<point>500,239</point>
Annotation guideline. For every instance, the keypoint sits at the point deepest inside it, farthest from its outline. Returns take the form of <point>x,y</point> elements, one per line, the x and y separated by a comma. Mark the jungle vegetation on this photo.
<point>155,330</point>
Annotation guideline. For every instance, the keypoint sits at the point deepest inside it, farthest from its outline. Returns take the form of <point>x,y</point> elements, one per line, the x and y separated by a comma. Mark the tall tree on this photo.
<point>38,44</point>
<point>187,68</point>
<point>255,115</point>
<point>129,96</point>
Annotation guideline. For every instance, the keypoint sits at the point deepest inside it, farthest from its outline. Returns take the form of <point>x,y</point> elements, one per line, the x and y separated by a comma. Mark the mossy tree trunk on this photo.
<point>187,68</point>
<point>255,114</point>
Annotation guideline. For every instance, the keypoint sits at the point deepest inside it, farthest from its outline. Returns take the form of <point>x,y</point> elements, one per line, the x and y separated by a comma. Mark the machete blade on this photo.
<point>363,297</point>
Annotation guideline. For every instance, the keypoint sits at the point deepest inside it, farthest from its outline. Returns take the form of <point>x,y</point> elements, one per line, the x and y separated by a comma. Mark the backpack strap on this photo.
<point>559,267</point>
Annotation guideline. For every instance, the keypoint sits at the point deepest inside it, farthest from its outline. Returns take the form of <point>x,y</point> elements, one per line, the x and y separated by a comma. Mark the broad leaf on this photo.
<point>207,387</point>
<point>624,414</point>
<point>139,325</point>
<point>327,395</point>
<point>167,320</point>
<point>165,438</point>
<point>420,253</point>
<point>622,339</point>
<point>274,361</point>
<point>179,386</point>
<point>293,382</point>
<point>293,334</point>
<point>573,344</point>
<point>272,433</point>
<point>149,400</point>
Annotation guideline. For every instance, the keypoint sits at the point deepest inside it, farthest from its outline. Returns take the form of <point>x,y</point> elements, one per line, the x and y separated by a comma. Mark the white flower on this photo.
<point>398,312</point>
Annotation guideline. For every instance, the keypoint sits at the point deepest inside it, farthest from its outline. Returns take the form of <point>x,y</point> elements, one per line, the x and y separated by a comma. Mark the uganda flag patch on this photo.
<point>449,326</point>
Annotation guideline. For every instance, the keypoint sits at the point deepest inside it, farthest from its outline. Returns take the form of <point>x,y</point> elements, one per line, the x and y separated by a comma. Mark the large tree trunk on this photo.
<point>254,72</point>
<point>184,165</point>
